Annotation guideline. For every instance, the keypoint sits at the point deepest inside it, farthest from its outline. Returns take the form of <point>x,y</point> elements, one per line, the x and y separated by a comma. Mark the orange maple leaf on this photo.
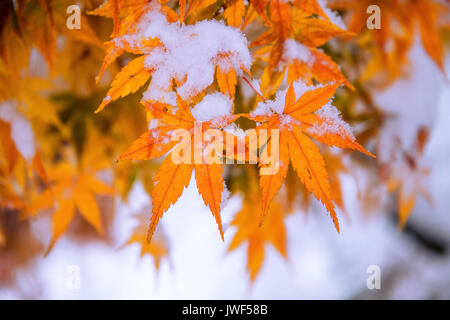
<point>303,25</point>
<point>297,122</point>
<point>234,12</point>
<point>138,71</point>
<point>226,80</point>
<point>248,230</point>
<point>70,191</point>
<point>158,248</point>
<point>172,178</point>
<point>133,76</point>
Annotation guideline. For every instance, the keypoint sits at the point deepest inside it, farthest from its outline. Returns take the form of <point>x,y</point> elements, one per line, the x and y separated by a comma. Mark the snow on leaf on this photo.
<point>213,106</point>
<point>214,111</point>
<point>293,118</point>
<point>188,54</point>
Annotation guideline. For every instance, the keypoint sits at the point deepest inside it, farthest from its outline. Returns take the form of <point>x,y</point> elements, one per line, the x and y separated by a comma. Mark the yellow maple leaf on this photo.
<point>158,248</point>
<point>248,230</point>
<point>70,190</point>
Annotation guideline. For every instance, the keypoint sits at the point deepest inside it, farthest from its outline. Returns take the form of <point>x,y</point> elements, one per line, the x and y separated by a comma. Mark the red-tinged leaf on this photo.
<point>227,81</point>
<point>310,167</point>
<point>170,181</point>
<point>271,183</point>
<point>182,10</point>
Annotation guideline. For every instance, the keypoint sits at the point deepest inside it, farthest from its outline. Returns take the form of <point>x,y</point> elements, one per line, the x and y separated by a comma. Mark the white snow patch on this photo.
<point>293,50</point>
<point>256,84</point>
<point>213,106</point>
<point>153,124</point>
<point>300,88</point>
<point>225,196</point>
<point>189,54</point>
<point>235,130</point>
<point>333,123</point>
<point>332,15</point>
<point>411,103</point>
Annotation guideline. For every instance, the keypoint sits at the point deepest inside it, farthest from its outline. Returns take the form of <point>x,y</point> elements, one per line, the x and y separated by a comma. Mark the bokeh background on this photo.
<point>51,109</point>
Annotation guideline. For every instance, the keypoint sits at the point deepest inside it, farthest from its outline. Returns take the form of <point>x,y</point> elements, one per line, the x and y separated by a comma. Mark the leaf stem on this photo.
<point>253,88</point>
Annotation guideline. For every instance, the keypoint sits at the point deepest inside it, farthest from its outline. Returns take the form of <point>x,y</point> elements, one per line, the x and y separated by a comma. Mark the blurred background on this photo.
<point>394,210</point>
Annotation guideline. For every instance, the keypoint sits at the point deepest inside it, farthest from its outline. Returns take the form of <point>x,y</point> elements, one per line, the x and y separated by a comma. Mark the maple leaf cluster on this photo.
<point>161,36</point>
<point>290,67</point>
